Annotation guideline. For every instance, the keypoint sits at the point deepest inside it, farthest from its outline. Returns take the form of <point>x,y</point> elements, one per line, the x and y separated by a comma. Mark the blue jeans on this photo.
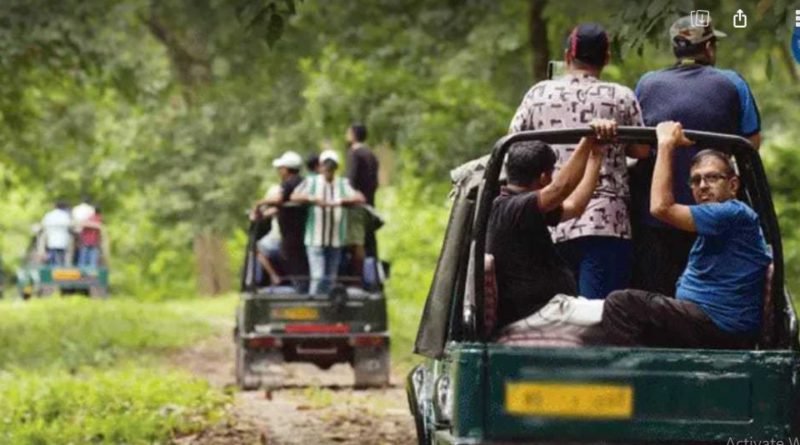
<point>56,257</point>
<point>601,264</point>
<point>88,256</point>
<point>323,264</point>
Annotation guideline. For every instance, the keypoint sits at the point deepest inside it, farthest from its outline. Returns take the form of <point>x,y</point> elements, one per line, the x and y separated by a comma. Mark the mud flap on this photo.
<point>371,366</point>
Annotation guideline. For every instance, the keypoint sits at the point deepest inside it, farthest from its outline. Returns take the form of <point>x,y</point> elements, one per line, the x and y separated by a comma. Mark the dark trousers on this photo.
<point>659,258</point>
<point>640,318</point>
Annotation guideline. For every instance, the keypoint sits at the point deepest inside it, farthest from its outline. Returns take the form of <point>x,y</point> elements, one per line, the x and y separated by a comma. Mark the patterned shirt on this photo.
<point>573,101</point>
<point>326,226</point>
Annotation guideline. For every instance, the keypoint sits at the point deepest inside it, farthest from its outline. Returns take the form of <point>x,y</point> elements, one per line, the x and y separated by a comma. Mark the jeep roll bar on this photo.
<point>783,331</point>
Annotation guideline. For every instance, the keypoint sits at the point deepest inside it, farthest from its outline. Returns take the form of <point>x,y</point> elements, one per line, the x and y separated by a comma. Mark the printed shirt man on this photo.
<point>326,226</point>
<point>573,101</point>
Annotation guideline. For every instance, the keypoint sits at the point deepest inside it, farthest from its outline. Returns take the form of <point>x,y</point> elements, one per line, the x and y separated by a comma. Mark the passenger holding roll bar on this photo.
<point>326,226</point>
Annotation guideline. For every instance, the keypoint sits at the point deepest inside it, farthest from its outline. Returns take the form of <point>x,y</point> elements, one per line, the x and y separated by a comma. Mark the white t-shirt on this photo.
<point>56,224</point>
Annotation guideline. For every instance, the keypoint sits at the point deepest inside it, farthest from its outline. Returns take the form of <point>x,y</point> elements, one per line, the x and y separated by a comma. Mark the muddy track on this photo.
<point>312,407</point>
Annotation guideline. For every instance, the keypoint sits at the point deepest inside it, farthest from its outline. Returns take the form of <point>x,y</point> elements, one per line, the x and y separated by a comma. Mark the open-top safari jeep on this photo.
<point>36,277</point>
<point>277,324</point>
<point>471,390</point>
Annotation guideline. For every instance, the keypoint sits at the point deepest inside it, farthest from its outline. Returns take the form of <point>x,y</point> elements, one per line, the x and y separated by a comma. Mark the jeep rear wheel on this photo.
<point>245,379</point>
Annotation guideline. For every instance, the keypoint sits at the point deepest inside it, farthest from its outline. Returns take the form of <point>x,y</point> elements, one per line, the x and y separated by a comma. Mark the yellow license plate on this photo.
<point>295,313</point>
<point>67,274</point>
<point>598,401</point>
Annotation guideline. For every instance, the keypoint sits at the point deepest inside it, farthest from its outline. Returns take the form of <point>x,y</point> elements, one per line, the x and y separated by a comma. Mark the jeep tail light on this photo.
<point>369,340</point>
<point>263,343</point>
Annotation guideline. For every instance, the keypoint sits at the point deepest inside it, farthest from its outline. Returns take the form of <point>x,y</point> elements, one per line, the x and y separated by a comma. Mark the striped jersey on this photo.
<point>326,226</point>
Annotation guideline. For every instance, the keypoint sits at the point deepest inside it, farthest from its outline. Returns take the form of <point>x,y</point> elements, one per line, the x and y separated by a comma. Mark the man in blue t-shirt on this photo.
<point>719,296</point>
<point>700,97</point>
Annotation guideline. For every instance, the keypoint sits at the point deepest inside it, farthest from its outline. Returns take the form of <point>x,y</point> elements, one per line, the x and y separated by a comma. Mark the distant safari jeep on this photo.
<point>36,278</point>
<point>278,324</point>
<point>471,390</point>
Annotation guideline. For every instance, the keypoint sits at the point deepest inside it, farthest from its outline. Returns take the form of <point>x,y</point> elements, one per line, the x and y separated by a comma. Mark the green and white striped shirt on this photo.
<point>326,226</point>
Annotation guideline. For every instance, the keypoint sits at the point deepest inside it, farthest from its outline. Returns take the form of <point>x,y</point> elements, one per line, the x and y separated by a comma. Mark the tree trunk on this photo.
<point>211,264</point>
<point>537,35</point>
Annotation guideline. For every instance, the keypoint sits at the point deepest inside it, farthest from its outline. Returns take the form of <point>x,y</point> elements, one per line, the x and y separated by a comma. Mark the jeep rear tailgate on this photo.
<point>621,394</point>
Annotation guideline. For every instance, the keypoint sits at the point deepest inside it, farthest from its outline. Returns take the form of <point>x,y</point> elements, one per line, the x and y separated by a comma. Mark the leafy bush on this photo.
<point>129,405</point>
<point>416,217</point>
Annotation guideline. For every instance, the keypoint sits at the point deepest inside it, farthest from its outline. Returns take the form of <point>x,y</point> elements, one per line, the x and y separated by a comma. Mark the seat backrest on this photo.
<point>767,337</point>
<point>489,294</point>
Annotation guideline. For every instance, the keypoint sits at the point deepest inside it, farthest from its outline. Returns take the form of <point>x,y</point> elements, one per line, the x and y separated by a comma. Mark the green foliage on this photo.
<point>71,333</point>
<point>416,215</point>
<point>127,405</point>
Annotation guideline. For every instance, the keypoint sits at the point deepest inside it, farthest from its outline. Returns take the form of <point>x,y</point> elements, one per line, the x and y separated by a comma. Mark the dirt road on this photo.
<point>313,407</point>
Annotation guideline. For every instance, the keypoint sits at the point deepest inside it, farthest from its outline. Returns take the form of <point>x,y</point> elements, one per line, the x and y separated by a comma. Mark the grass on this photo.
<point>75,370</point>
<point>130,405</point>
<point>74,332</point>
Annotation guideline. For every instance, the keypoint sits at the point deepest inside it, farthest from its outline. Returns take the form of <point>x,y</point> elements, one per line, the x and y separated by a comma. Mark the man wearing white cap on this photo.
<point>326,225</point>
<point>291,220</point>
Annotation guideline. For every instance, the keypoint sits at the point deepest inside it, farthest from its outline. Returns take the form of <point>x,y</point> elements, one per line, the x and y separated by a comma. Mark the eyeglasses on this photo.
<point>710,179</point>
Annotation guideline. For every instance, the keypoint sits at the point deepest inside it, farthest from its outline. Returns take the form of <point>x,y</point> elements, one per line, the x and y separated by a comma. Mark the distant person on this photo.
<point>529,269</point>
<point>719,298</point>
<point>90,236</point>
<point>268,244</point>
<point>327,222</point>
<point>291,218</point>
<point>700,97</point>
<point>362,171</point>
<point>82,211</point>
<point>56,226</point>
<point>597,245</point>
<point>312,164</point>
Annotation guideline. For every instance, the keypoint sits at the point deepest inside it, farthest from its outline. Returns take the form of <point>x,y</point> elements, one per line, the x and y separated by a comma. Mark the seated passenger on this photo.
<point>529,270</point>
<point>718,300</point>
<point>56,226</point>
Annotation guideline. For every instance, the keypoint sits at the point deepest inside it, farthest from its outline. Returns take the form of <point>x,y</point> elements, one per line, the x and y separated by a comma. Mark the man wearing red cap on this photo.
<point>597,244</point>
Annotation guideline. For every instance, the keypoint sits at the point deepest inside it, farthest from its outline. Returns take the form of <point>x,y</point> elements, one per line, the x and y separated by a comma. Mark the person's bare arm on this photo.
<point>662,201</point>
<point>564,183</point>
<point>755,139</point>
<point>355,199</point>
<point>638,151</point>
<point>576,203</point>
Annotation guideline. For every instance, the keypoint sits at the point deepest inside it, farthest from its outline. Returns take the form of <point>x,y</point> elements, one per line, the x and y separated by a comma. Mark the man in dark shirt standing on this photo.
<point>529,270</point>
<point>701,97</point>
<point>362,172</point>
<point>291,219</point>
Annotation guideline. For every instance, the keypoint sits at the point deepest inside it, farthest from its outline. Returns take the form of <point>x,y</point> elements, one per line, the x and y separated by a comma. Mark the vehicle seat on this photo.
<point>766,339</point>
<point>489,294</point>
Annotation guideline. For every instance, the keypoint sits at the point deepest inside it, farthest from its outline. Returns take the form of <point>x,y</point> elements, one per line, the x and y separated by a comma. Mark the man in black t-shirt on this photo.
<point>362,172</point>
<point>291,219</point>
<point>529,270</point>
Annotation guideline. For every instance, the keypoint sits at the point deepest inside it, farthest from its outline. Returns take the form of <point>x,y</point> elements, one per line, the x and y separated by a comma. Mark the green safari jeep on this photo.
<point>471,390</point>
<point>37,278</point>
<point>278,324</point>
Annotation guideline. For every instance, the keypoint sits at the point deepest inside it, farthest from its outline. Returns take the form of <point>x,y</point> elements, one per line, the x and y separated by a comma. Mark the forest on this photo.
<point>168,116</point>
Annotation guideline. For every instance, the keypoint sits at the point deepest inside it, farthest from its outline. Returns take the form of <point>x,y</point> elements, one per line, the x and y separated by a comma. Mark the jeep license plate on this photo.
<point>295,313</point>
<point>66,274</point>
<point>581,400</point>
